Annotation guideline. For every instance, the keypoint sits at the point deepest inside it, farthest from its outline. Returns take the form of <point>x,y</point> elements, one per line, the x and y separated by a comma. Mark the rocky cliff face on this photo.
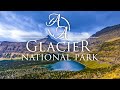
<point>14,49</point>
<point>8,47</point>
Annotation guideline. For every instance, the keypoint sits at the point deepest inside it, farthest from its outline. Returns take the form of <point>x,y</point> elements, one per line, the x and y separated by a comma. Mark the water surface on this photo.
<point>68,65</point>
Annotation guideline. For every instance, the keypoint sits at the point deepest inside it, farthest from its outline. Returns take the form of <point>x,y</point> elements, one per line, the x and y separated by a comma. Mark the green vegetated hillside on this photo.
<point>105,68</point>
<point>107,46</point>
<point>110,52</point>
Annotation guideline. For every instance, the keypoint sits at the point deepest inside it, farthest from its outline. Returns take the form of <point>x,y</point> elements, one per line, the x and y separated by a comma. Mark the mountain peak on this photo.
<point>48,39</point>
<point>48,36</point>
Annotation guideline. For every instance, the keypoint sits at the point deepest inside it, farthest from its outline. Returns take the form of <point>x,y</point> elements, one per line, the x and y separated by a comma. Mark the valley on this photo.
<point>107,48</point>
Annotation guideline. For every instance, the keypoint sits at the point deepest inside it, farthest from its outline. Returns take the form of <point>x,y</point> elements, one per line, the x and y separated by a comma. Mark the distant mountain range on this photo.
<point>14,49</point>
<point>8,49</point>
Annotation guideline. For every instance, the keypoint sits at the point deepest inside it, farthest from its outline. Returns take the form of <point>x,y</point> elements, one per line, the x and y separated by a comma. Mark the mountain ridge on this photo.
<point>107,29</point>
<point>106,34</point>
<point>7,47</point>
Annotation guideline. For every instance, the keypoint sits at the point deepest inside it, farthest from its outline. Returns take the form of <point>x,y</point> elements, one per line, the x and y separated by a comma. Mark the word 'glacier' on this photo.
<point>75,46</point>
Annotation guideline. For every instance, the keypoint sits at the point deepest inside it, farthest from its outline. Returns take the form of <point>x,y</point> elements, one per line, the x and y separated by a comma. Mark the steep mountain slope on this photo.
<point>115,30</point>
<point>107,44</point>
<point>47,40</point>
<point>14,49</point>
<point>107,34</point>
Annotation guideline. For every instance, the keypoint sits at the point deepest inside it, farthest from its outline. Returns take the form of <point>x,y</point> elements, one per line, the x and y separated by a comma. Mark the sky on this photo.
<point>22,26</point>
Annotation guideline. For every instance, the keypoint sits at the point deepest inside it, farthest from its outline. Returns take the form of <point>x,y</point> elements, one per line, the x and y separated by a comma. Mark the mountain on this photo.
<point>108,30</point>
<point>14,49</point>
<point>6,46</point>
<point>107,45</point>
<point>110,52</point>
<point>107,34</point>
<point>47,40</point>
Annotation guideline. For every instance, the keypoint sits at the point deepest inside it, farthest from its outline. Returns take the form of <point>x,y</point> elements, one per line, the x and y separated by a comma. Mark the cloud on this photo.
<point>71,36</point>
<point>24,26</point>
<point>19,28</point>
<point>19,21</point>
<point>15,27</point>
<point>16,34</point>
<point>78,36</point>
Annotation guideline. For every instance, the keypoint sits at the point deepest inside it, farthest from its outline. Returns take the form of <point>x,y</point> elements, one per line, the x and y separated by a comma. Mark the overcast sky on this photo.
<point>25,25</point>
